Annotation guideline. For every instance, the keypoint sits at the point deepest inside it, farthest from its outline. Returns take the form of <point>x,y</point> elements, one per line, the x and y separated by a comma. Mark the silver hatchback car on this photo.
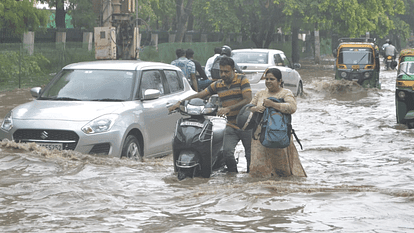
<point>114,108</point>
<point>254,62</point>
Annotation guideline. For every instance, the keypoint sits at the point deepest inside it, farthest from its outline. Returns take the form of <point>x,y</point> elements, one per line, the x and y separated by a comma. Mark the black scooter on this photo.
<point>198,139</point>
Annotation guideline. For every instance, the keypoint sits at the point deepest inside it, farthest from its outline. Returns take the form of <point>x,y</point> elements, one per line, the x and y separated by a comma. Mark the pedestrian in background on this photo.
<point>187,66</point>
<point>210,61</point>
<point>203,81</point>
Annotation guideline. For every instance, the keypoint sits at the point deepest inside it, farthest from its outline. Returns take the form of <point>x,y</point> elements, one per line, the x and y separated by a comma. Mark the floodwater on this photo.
<point>358,160</point>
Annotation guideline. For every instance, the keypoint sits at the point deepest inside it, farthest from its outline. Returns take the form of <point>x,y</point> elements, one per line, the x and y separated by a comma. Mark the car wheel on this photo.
<point>300,89</point>
<point>131,148</point>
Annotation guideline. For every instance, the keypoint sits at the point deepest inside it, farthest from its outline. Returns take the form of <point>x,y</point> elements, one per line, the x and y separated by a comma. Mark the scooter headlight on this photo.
<point>343,74</point>
<point>367,74</point>
<point>7,124</point>
<point>194,109</point>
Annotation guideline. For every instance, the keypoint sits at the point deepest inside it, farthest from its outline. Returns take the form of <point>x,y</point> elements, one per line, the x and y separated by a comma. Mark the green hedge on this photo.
<point>19,69</point>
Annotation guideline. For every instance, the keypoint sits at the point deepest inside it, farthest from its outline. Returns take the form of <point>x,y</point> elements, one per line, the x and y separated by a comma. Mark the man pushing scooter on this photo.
<point>234,92</point>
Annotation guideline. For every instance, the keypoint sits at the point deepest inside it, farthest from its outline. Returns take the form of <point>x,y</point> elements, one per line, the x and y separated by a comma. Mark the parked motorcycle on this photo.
<point>198,139</point>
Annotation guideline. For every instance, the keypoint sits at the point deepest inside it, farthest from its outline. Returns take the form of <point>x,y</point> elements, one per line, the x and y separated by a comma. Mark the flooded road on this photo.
<point>358,160</point>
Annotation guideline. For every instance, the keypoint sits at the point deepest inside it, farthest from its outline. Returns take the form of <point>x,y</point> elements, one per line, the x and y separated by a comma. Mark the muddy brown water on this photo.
<point>358,160</point>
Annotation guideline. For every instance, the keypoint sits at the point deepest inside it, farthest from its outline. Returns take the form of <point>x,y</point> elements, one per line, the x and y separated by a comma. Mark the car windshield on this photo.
<point>90,85</point>
<point>250,57</point>
<point>407,70</point>
<point>356,56</point>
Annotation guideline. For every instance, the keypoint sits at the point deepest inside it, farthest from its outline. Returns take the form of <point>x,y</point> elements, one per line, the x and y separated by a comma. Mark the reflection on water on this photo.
<point>358,160</point>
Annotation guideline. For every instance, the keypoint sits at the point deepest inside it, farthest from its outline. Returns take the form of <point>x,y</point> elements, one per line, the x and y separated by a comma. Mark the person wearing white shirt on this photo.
<point>210,61</point>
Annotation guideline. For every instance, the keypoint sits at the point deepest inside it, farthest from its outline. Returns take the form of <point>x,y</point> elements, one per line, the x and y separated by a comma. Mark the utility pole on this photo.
<point>118,38</point>
<point>137,36</point>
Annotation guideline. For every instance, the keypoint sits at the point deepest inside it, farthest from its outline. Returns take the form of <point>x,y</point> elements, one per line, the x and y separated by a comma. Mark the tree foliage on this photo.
<point>60,11</point>
<point>350,18</point>
<point>82,14</point>
<point>20,16</point>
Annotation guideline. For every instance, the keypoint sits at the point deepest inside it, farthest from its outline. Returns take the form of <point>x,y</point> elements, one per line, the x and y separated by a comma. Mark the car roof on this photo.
<point>258,50</point>
<point>119,65</point>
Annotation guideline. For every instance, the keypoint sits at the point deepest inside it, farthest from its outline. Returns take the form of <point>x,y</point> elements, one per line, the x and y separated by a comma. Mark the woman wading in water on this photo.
<point>279,162</point>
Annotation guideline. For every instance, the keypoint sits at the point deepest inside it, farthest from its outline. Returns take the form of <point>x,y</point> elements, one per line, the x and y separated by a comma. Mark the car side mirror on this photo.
<point>297,66</point>
<point>35,91</point>
<point>334,52</point>
<point>150,94</point>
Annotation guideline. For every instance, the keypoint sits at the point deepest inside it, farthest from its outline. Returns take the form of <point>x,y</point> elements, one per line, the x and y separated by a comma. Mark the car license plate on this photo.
<point>51,146</point>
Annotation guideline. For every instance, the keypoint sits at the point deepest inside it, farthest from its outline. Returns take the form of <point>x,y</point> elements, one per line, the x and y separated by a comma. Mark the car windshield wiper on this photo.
<point>59,98</point>
<point>362,58</point>
<point>109,100</point>
<point>409,75</point>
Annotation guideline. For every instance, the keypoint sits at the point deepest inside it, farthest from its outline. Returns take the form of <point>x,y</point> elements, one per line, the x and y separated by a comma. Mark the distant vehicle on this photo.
<point>357,59</point>
<point>254,62</point>
<point>404,92</point>
<point>114,108</point>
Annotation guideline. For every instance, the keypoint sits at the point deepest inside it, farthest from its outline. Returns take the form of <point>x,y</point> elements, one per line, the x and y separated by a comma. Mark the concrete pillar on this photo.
<point>28,42</point>
<point>317,47</point>
<point>171,38</point>
<point>60,39</point>
<point>189,38</point>
<point>136,44</point>
<point>240,39</point>
<point>154,40</point>
<point>204,37</point>
<point>87,40</point>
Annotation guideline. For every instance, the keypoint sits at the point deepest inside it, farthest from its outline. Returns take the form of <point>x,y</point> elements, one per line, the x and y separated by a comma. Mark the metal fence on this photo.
<point>34,65</point>
<point>24,65</point>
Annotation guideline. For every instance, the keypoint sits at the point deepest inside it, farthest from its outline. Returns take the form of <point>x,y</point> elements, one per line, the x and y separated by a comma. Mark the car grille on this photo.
<point>102,148</point>
<point>69,139</point>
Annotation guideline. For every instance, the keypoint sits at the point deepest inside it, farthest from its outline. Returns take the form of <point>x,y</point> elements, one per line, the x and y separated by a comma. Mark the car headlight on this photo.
<point>100,124</point>
<point>7,124</point>
<point>367,74</point>
<point>401,94</point>
<point>343,74</point>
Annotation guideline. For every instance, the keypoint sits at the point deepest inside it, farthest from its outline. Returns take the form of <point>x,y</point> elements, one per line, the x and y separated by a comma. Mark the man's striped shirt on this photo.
<point>230,95</point>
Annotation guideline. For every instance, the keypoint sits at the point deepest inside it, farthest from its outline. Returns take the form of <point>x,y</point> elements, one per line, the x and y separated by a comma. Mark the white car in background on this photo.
<point>254,62</point>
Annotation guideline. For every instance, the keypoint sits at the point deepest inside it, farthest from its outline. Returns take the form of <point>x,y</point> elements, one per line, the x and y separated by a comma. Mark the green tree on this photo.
<point>60,11</point>
<point>184,10</point>
<point>215,16</point>
<point>82,14</point>
<point>350,18</point>
<point>20,16</point>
